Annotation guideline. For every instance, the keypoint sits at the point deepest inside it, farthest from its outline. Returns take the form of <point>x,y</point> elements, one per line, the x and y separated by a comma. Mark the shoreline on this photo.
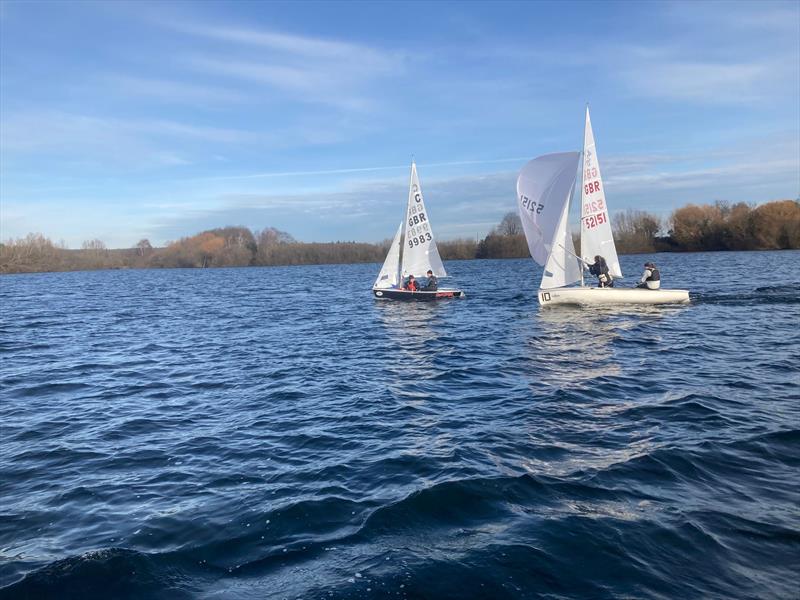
<point>366,262</point>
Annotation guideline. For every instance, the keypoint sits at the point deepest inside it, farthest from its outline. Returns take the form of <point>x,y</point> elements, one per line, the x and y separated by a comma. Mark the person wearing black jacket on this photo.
<point>432,284</point>
<point>651,278</point>
<point>600,270</point>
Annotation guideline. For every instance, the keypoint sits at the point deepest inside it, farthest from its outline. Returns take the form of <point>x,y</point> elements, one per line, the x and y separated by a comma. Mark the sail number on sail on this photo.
<point>531,205</point>
<point>595,212</point>
<point>593,221</point>
<point>419,231</point>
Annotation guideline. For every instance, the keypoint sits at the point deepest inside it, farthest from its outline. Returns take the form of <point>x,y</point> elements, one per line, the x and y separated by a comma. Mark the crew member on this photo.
<point>432,284</point>
<point>600,270</point>
<point>651,278</point>
<point>411,284</point>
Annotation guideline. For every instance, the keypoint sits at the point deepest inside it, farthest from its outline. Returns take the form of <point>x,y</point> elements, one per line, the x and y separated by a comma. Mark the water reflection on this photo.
<point>413,326</point>
<point>413,332</point>
<point>575,345</point>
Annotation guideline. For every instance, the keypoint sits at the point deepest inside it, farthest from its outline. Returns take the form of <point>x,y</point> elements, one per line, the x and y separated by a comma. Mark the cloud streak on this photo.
<point>704,82</point>
<point>308,69</point>
<point>473,204</point>
<point>350,170</point>
<point>85,138</point>
<point>297,45</point>
<point>173,91</point>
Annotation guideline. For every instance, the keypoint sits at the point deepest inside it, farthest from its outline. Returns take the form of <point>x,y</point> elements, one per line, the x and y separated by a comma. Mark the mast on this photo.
<point>582,163</point>
<point>405,226</point>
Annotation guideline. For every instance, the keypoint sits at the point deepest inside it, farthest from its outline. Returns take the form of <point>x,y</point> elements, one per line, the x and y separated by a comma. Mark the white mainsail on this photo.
<point>390,272</point>
<point>596,236</point>
<point>420,253</point>
<point>544,187</point>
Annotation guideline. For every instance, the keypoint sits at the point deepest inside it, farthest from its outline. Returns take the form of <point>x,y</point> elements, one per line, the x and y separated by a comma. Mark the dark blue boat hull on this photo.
<point>407,296</point>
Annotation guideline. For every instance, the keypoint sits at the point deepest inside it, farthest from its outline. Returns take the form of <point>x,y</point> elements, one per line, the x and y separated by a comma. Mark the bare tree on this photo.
<point>94,244</point>
<point>636,231</point>
<point>510,225</point>
<point>144,247</point>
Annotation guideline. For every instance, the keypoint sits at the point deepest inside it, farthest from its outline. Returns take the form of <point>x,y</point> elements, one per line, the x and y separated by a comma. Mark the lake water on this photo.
<point>276,432</point>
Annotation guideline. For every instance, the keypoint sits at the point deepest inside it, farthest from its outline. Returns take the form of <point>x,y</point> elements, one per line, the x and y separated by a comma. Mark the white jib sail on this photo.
<point>389,275</point>
<point>420,253</point>
<point>562,267</point>
<point>544,187</point>
<point>596,236</point>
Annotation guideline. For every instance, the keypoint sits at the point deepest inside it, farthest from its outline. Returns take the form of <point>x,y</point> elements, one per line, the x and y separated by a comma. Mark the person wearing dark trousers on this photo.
<point>600,270</point>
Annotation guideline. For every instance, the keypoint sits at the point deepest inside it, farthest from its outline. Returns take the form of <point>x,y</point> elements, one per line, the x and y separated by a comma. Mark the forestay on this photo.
<point>420,253</point>
<point>596,236</point>
<point>544,187</point>
<point>390,272</point>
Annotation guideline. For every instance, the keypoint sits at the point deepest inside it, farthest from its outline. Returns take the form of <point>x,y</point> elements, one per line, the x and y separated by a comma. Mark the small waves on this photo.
<point>253,433</point>
<point>788,293</point>
<point>506,535</point>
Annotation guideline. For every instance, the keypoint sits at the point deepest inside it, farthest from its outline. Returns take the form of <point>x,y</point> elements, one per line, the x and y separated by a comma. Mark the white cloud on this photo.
<point>717,53</point>
<point>705,82</point>
<point>774,17</point>
<point>306,69</point>
<point>307,83</point>
<point>89,139</point>
<point>466,205</point>
<point>297,45</point>
<point>369,210</point>
<point>735,173</point>
<point>172,91</point>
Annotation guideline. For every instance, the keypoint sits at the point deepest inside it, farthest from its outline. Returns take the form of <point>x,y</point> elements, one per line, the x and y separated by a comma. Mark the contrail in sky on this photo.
<point>356,169</point>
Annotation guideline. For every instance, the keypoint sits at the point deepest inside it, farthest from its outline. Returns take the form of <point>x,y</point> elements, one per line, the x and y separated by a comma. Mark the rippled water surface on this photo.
<point>250,433</point>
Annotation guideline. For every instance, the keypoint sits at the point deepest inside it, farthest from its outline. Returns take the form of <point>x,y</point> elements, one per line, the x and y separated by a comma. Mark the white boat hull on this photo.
<point>598,296</point>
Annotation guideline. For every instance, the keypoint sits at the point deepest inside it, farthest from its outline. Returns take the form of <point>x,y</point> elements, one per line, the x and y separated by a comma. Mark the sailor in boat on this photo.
<point>600,270</point>
<point>411,285</point>
<point>651,278</point>
<point>432,284</point>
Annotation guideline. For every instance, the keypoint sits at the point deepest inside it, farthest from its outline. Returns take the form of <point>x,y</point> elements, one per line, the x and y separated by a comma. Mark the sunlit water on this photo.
<point>250,433</point>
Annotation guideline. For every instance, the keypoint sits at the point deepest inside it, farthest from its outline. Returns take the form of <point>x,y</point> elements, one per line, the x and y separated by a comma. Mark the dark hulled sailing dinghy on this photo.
<point>544,189</point>
<point>413,252</point>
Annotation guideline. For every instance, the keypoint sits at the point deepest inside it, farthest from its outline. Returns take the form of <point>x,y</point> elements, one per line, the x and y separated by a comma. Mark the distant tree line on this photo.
<point>719,226</point>
<point>722,226</point>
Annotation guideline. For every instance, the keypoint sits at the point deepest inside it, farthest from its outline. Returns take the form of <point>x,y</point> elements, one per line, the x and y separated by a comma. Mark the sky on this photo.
<point>128,120</point>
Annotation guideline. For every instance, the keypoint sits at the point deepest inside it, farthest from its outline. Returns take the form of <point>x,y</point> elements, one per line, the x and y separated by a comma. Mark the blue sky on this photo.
<point>123,121</point>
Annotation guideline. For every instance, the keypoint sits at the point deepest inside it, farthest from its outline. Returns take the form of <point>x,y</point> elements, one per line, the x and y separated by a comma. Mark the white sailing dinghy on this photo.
<point>544,189</point>
<point>413,252</point>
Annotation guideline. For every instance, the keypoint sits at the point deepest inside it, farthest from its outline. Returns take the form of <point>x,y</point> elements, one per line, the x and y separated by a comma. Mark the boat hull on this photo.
<point>422,296</point>
<point>587,296</point>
